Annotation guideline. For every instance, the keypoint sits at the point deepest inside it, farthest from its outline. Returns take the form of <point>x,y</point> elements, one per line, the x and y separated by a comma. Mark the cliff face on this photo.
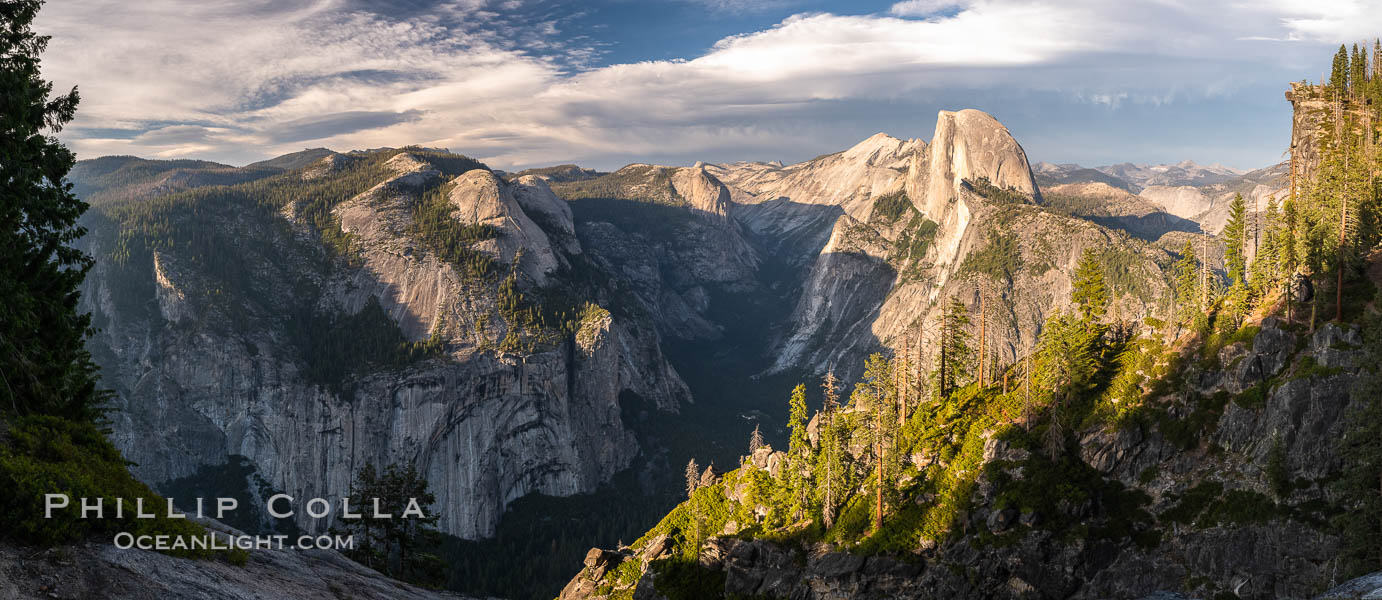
<point>204,369</point>
<point>1210,467</point>
<point>875,277</point>
<point>1220,517</point>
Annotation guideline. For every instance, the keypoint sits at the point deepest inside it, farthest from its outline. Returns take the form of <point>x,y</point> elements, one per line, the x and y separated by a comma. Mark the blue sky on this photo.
<point>523,83</point>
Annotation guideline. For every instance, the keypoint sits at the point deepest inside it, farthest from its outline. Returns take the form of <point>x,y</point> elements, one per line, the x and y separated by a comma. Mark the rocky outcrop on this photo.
<point>796,205</point>
<point>1367,587</point>
<point>1220,526</point>
<point>99,570</point>
<point>486,427</point>
<point>482,198</point>
<point>538,202</point>
<point>876,280</point>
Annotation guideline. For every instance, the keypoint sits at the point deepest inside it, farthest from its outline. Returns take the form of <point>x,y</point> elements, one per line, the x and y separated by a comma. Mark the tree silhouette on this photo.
<point>44,365</point>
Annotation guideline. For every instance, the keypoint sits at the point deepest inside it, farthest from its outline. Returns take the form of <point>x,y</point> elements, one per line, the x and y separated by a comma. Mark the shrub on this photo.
<point>50,455</point>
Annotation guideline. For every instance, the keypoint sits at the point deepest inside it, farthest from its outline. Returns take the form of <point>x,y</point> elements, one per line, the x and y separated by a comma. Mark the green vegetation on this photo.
<point>335,346</point>
<point>1006,195</point>
<point>912,244</point>
<point>404,546</point>
<point>1091,294</point>
<point>44,365</point>
<point>1360,521</point>
<point>890,207</point>
<point>637,183</point>
<point>50,406</point>
<point>44,454</point>
<point>1000,258</point>
<point>453,242</point>
<point>1234,233</point>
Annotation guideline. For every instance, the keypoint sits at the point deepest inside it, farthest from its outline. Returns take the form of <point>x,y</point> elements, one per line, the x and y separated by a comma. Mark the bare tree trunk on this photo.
<point>878,516</point>
<point>983,339</point>
<point>1027,405</point>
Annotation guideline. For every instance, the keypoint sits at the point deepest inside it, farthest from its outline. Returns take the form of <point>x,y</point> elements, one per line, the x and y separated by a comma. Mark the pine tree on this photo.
<point>1234,238</point>
<point>956,356</point>
<point>831,386</point>
<point>1376,78</point>
<point>1266,264</point>
<point>1358,71</point>
<point>44,365</point>
<point>831,468</point>
<point>1338,75</point>
<point>1065,363</point>
<point>1090,293</point>
<point>693,481</point>
<point>403,547</point>
<point>1187,280</point>
<point>875,397</point>
<point>799,446</point>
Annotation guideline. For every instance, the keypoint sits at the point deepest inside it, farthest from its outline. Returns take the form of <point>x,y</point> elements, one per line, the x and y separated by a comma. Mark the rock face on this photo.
<point>875,278</point>
<point>1243,538</point>
<point>223,368</point>
<point>481,198</point>
<point>671,236</point>
<point>1116,208</point>
<point>968,145</point>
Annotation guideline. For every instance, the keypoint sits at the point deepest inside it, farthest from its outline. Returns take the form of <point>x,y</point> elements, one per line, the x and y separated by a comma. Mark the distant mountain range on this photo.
<point>1135,178</point>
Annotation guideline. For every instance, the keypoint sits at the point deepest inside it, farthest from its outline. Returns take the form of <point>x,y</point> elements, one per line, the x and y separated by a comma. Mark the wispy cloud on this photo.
<point>240,81</point>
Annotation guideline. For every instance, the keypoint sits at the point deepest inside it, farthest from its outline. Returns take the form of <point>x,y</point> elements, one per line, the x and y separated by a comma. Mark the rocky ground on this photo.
<point>100,570</point>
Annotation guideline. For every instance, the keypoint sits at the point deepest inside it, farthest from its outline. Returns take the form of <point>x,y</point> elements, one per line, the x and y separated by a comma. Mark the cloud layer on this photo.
<point>241,81</point>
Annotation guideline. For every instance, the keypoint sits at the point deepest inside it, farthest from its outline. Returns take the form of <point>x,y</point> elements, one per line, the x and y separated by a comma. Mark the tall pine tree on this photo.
<point>1090,293</point>
<point>1338,75</point>
<point>1235,237</point>
<point>44,365</point>
<point>955,356</point>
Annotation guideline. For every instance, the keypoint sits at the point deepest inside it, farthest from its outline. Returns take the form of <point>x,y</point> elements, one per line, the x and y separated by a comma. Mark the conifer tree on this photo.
<point>1090,293</point>
<point>831,468</point>
<point>874,396</point>
<point>1358,71</point>
<point>1266,265</point>
<point>1338,75</point>
<point>799,446</point>
<point>755,441</point>
<point>1376,78</point>
<point>693,481</point>
<point>44,365</point>
<point>1065,363</point>
<point>402,547</point>
<point>956,355</point>
<point>831,386</point>
<point>1234,240</point>
<point>1187,280</point>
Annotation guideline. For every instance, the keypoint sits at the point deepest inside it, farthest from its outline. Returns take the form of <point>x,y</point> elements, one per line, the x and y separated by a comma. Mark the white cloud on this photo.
<point>245,81</point>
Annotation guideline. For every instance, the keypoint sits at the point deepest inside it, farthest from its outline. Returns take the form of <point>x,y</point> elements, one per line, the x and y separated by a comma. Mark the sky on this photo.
<point>524,83</point>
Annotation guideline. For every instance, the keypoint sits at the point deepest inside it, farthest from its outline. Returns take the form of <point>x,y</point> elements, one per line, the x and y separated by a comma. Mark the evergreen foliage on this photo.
<point>402,547</point>
<point>1091,294</point>
<point>1235,233</point>
<point>892,206</point>
<point>999,259</point>
<point>955,357</point>
<point>44,365</point>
